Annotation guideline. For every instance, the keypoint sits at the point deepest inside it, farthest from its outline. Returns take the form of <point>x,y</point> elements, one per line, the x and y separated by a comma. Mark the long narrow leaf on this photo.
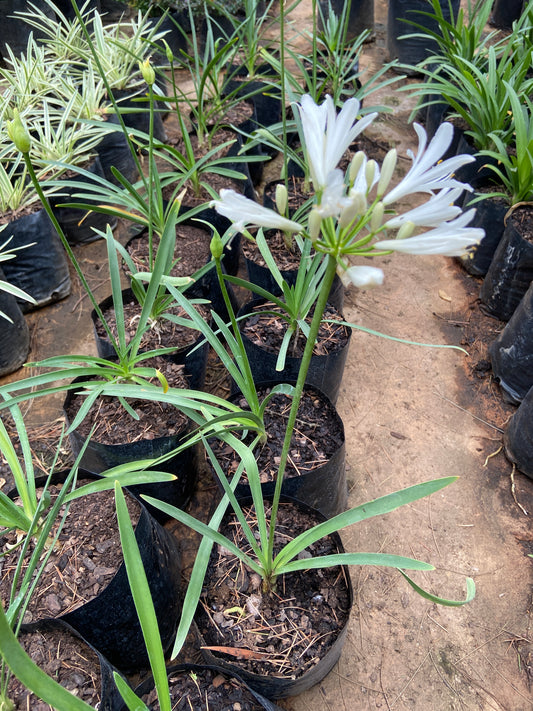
<point>470,593</point>
<point>384,559</point>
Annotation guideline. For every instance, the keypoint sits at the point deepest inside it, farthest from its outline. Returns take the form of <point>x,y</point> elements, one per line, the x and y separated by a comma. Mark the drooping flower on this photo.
<point>451,239</point>
<point>242,212</point>
<point>361,276</point>
<point>328,134</point>
<point>439,208</point>
<point>427,173</point>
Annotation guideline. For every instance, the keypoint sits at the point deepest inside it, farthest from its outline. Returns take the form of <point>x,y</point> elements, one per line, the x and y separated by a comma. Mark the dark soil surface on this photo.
<point>267,331</point>
<point>316,437</point>
<point>283,632</point>
<point>87,555</point>
<point>205,690</point>
<point>115,425</point>
<point>286,258</point>
<point>66,659</point>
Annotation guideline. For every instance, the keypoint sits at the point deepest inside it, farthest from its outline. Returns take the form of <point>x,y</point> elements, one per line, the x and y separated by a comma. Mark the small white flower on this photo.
<point>333,199</point>
<point>439,208</point>
<point>452,239</point>
<point>361,277</point>
<point>327,135</point>
<point>427,174</point>
<point>242,211</point>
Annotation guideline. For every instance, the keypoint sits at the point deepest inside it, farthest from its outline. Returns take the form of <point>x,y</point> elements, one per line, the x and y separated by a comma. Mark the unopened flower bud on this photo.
<point>147,71</point>
<point>355,166</point>
<point>281,198</point>
<point>406,230</point>
<point>349,213</point>
<point>370,172</point>
<point>387,171</point>
<point>16,130</point>
<point>168,52</point>
<point>358,201</point>
<point>216,246</point>
<point>377,216</point>
<point>313,225</point>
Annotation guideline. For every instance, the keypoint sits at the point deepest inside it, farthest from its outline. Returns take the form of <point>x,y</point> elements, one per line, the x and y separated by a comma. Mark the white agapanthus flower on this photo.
<point>439,208</point>
<point>361,276</point>
<point>427,173</point>
<point>328,134</point>
<point>242,212</point>
<point>451,239</point>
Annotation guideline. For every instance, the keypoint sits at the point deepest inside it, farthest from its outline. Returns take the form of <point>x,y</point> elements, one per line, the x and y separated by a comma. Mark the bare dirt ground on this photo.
<point>410,414</point>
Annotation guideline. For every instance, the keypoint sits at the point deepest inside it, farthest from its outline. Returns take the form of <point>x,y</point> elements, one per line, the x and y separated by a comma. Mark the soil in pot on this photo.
<point>119,438</point>
<point>212,178</point>
<point>67,659</point>
<point>85,582</point>
<point>162,334</point>
<point>86,558</point>
<point>192,252</point>
<point>206,688</point>
<point>315,471</point>
<point>282,641</point>
<point>263,333</point>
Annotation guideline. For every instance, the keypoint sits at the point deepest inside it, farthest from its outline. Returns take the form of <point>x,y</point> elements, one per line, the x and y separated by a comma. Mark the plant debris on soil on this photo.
<point>205,690</point>
<point>315,439</point>
<point>65,658</point>
<point>283,632</point>
<point>267,331</point>
<point>84,560</point>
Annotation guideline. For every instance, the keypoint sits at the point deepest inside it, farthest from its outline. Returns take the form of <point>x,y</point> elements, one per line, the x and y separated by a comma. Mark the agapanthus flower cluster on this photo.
<point>357,214</point>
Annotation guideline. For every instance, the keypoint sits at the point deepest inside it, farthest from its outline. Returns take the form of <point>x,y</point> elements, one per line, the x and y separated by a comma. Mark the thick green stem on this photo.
<point>320,306</point>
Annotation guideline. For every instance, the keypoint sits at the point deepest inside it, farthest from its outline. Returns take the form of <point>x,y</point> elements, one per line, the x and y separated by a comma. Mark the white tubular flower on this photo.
<point>361,182</point>
<point>242,211</point>
<point>387,171</point>
<point>427,174</point>
<point>362,277</point>
<point>333,199</point>
<point>439,208</point>
<point>327,135</point>
<point>452,239</point>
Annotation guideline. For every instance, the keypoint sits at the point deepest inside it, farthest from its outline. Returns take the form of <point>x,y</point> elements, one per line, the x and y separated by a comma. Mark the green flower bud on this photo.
<point>168,52</point>
<point>16,130</point>
<point>370,171</point>
<point>406,230</point>
<point>216,246</point>
<point>387,170</point>
<point>377,216</point>
<point>355,166</point>
<point>147,71</point>
<point>281,198</point>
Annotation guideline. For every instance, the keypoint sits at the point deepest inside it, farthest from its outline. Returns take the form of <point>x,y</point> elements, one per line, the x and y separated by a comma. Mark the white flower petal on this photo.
<point>333,199</point>
<point>439,208</point>
<point>364,277</point>
<point>451,239</point>
<point>327,135</point>
<point>427,174</point>
<point>242,211</point>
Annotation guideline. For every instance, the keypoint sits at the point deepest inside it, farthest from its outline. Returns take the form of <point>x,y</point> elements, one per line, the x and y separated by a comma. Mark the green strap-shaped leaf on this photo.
<point>327,561</point>
<point>470,592</point>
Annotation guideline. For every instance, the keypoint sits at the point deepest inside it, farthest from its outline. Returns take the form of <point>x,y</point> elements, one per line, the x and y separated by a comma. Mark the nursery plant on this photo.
<point>351,216</point>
